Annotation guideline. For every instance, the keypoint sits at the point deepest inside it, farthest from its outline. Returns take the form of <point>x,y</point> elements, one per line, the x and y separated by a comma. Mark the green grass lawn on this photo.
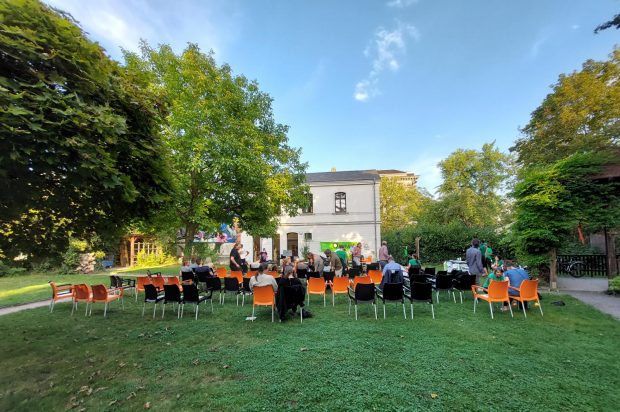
<point>16,290</point>
<point>567,360</point>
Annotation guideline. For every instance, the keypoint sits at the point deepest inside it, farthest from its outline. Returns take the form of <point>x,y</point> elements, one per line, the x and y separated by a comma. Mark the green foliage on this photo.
<point>440,242</point>
<point>79,148</point>
<point>6,270</point>
<point>144,260</point>
<point>204,250</point>
<point>229,158</point>
<point>581,114</point>
<point>614,285</point>
<point>401,205</point>
<point>470,190</point>
<point>614,22</point>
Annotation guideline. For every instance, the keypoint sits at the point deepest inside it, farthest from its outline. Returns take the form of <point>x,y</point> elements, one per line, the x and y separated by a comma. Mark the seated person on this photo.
<point>202,268</point>
<point>515,276</point>
<point>193,263</point>
<point>392,273</point>
<point>291,294</point>
<point>263,279</point>
<point>496,275</point>
<point>413,262</point>
<point>186,268</point>
<point>286,264</point>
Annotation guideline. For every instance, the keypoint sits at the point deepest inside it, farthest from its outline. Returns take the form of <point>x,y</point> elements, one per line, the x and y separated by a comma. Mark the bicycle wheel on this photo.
<point>577,270</point>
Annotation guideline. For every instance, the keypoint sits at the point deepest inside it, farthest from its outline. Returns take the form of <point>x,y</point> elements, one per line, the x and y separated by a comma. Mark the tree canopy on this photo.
<point>229,158</point>
<point>581,114</point>
<point>401,205</point>
<point>79,148</point>
<point>614,22</point>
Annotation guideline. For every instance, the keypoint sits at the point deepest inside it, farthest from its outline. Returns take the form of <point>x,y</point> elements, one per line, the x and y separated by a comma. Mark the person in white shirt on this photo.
<point>263,279</point>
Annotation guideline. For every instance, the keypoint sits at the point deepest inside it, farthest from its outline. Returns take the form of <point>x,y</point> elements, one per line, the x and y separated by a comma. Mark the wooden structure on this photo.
<point>133,244</point>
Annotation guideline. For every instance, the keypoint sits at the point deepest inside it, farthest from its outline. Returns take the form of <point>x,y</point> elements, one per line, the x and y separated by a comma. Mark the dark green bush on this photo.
<point>614,285</point>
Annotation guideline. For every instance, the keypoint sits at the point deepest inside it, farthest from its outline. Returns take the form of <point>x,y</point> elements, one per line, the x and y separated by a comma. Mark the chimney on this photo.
<point>333,169</point>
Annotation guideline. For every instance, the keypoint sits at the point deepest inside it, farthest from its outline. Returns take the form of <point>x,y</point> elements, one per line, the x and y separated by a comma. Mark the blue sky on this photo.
<point>380,84</point>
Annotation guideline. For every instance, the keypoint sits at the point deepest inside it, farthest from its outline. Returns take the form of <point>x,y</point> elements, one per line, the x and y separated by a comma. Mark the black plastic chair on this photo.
<point>185,276</point>
<point>191,295</point>
<point>442,272</point>
<point>313,275</point>
<point>151,296</point>
<point>329,277</point>
<point>302,273</point>
<point>172,294</point>
<point>462,283</point>
<point>245,290</point>
<point>214,284</point>
<point>429,271</point>
<point>373,266</point>
<point>443,282</point>
<point>413,270</point>
<point>421,292</point>
<point>231,285</point>
<point>392,292</point>
<point>418,278</point>
<point>354,271</point>
<point>364,293</point>
<point>116,282</point>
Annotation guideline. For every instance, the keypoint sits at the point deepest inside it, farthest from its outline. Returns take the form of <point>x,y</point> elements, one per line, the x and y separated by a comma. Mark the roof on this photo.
<point>390,172</point>
<point>342,176</point>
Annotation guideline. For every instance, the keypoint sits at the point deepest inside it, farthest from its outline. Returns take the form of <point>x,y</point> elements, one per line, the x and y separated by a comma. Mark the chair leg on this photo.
<point>539,307</point>
<point>73,307</point>
<point>356,311</point>
<point>404,311</point>
<point>163,309</point>
<point>375,305</point>
<point>333,298</point>
<point>475,303</point>
<point>411,305</point>
<point>491,307</point>
<point>461,293</point>
<point>324,299</point>
<point>154,308</point>
<point>523,307</point>
<point>454,296</point>
<point>271,313</point>
<point>105,310</point>
<point>253,316</point>
<point>510,308</point>
<point>383,310</point>
<point>196,310</point>
<point>143,308</point>
<point>122,303</point>
<point>433,310</point>
<point>51,305</point>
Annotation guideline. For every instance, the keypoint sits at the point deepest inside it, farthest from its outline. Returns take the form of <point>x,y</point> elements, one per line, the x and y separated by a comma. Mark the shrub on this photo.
<point>614,285</point>
<point>154,259</point>
<point>6,270</point>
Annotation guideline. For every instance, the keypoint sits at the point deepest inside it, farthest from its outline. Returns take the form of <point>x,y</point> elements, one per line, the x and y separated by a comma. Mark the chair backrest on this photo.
<point>150,292</point>
<point>365,292</point>
<point>273,273</point>
<point>246,285</point>
<point>529,289</point>
<point>56,290</point>
<point>340,285</point>
<point>220,272</point>
<point>143,280</point>
<point>264,295</point>
<point>464,281</point>
<point>301,273</point>
<point>498,290</point>
<point>214,284</point>
<point>361,280</point>
<point>329,276</point>
<point>429,271</point>
<point>443,282</point>
<point>373,266</point>
<point>81,292</point>
<point>100,293</point>
<point>172,293</point>
<point>442,272</point>
<point>418,278</point>
<point>354,271</point>
<point>313,275</point>
<point>237,275</point>
<point>158,282</point>
<point>187,276</point>
<point>316,285</point>
<point>173,280</point>
<point>190,293</point>
<point>202,276</point>
<point>113,282</point>
<point>422,291</point>
<point>231,284</point>
<point>393,291</point>
<point>376,276</point>
<point>414,270</point>
<point>251,273</point>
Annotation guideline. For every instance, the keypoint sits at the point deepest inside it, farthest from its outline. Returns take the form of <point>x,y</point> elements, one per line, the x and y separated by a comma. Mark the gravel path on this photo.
<point>600,300</point>
<point>26,306</point>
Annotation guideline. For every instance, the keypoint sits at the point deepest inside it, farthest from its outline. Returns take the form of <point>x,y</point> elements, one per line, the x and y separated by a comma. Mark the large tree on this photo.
<point>472,183</point>
<point>401,205</point>
<point>230,160</point>
<point>79,148</point>
<point>581,114</point>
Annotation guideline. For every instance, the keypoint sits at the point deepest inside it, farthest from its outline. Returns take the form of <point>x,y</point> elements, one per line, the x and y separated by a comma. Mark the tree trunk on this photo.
<point>190,231</point>
<point>553,269</point>
<point>612,263</point>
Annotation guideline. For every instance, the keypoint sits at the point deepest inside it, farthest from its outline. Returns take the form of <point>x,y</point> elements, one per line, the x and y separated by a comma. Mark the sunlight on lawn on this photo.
<point>25,289</point>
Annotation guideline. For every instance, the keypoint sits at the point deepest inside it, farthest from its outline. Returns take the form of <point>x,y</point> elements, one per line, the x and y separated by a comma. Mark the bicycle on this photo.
<point>575,268</point>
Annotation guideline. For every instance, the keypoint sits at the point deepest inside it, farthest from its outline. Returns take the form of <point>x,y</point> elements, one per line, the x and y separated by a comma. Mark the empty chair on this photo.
<point>81,293</point>
<point>215,285</point>
<point>354,271</point>
<point>462,283</point>
<point>237,275</point>
<point>339,286</point>
<point>187,276</point>
<point>442,272</point>
<point>316,286</point>
<point>313,275</point>
<point>413,270</point>
<point>418,278</point>
<point>191,295</point>
<point>126,284</point>
<point>140,282</point>
<point>528,291</point>
<point>362,280</point>
<point>60,292</point>
<point>263,296</point>
<point>151,295</point>
<point>376,276</point>
<point>328,277</point>
<point>231,286</point>
<point>172,294</point>
<point>392,292</point>
<point>245,289</point>
<point>421,292</point>
<point>429,271</point>
<point>158,282</point>
<point>302,272</point>
<point>496,292</point>
<point>101,294</point>
<point>443,282</point>
<point>363,293</point>
<point>173,280</point>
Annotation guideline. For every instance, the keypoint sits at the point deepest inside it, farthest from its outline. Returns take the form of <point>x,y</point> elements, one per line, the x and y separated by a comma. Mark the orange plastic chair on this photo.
<point>158,282</point>
<point>264,296</point>
<point>220,272</point>
<point>103,295</point>
<point>316,286</point>
<point>339,286</point>
<point>361,279</point>
<point>173,280</point>
<point>251,273</point>
<point>527,292</point>
<point>60,292</point>
<point>376,276</point>
<point>140,282</point>
<point>81,293</point>
<point>237,274</point>
<point>273,273</point>
<point>497,292</point>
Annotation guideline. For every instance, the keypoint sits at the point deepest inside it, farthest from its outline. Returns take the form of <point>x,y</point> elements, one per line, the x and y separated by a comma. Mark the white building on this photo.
<point>345,208</point>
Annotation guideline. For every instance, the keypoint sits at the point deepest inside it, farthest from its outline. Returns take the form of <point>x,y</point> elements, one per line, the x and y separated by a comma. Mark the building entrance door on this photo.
<point>292,243</point>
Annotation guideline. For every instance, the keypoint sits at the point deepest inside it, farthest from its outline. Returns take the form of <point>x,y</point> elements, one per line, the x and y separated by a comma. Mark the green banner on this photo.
<point>335,245</point>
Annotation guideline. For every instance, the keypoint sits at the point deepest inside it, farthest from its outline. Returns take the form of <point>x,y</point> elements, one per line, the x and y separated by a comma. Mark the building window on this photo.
<point>309,208</point>
<point>341,202</point>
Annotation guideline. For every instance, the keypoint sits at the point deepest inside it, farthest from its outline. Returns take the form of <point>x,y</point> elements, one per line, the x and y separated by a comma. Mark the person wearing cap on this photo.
<point>383,254</point>
<point>334,262</point>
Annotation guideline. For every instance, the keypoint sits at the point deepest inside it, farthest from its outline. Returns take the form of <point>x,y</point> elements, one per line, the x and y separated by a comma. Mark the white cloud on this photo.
<point>575,26</point>
<point>425,165</point>
<point>535,49</point>
<point>400,4</point>
<point>385,49</point>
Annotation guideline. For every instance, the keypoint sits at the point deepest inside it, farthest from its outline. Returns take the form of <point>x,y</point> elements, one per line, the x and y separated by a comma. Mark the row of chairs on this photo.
<point>87,294</point>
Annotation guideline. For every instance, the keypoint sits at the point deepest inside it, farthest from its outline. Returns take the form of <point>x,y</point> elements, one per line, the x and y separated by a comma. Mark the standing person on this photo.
<point>235,258</point>
<point>334,262</point>
<point>383,254</point>
<point>263,256</point>
<point>356,255</point>
<point>342,254</point>
<point>243,254</point>
<point>315,262</point>
<point>474,260</point>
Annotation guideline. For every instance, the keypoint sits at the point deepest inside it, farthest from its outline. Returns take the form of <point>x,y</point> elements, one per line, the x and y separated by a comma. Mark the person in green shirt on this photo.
<point>413,261</point>
<point>497,275</point>
<point>342,254</point>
